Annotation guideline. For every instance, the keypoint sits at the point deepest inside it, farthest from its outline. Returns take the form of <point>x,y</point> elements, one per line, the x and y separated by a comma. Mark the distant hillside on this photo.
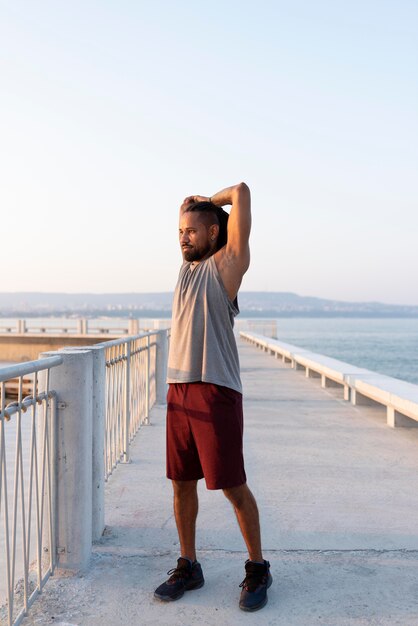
<point>252,303</point>
<point>38,301</point>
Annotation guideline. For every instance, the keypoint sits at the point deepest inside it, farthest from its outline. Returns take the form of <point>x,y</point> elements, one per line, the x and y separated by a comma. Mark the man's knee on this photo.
<point>237,495</point>
<point>184,487</point>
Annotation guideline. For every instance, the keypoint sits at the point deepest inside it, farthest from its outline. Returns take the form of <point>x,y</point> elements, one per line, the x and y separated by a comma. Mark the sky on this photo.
<point>112,112</point>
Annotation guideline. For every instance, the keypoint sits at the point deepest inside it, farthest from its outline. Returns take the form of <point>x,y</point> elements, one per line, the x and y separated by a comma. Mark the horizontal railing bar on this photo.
<point>29,367</point>
<point>144,348</point>
<point>118,342</point>
<point>123,357</point>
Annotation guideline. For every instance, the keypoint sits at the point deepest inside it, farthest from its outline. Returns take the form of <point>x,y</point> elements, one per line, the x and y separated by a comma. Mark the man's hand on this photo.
<point>191,200</point>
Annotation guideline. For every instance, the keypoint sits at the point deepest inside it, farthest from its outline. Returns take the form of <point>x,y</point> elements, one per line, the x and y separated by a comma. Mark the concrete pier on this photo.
<point>27,347</point>
<point>338,496</point>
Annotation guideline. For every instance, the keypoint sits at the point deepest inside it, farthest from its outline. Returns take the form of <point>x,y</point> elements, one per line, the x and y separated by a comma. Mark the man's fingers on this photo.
<point>190,199</point>
<point>186,202</point>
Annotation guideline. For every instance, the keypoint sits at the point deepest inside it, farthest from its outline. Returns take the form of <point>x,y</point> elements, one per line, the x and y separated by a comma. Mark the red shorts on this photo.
<point>204,434</point>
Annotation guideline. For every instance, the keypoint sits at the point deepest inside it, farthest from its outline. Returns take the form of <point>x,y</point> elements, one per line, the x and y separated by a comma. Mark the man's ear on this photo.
<point>214,232</point>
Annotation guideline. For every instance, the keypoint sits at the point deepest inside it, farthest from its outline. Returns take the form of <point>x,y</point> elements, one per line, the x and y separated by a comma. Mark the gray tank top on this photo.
<point>202,344</point>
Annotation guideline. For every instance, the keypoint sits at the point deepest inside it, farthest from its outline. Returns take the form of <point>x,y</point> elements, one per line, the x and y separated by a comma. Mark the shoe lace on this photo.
<point>252,580</point>
<point>177,573</point>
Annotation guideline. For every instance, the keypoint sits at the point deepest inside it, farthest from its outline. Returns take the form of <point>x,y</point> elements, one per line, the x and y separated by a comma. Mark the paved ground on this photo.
<point>338,496</point>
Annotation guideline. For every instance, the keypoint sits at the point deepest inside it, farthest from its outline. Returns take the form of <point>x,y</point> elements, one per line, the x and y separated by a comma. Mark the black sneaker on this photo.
<point>254,586</point>
<point>184,577</point>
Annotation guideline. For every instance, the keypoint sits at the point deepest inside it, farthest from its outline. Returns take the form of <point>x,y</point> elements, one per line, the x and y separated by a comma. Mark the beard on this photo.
<point>195,254</point>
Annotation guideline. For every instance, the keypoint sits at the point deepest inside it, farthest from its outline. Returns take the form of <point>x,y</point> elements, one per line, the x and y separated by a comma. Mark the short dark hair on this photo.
<point>212,211</point>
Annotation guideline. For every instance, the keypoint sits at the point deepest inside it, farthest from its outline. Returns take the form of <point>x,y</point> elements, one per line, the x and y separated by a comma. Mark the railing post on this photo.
<point>98,466</point>
<point>82,326</point>
<point>161,367</point>
<point>72,382</point>
<point>21,326</point>
<point>147,373</point>
<point>127,403</point>
<point>133,327</point>
<point>98,434</point>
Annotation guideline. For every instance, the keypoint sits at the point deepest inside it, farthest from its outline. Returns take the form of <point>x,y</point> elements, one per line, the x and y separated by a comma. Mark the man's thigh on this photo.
<point>216,421</point>
<point>182,458</point>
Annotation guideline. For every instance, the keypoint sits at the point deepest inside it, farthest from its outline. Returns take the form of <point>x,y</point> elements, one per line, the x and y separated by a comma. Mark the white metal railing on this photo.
<point>114,326</point>
<point>130,392</point>
<point>26,488</point>
<point>263,326</point>
<point>96,400</point>
<point>360,385</point>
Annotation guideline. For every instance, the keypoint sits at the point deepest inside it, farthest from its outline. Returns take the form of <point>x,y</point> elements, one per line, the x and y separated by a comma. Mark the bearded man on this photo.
<point>204,400</point>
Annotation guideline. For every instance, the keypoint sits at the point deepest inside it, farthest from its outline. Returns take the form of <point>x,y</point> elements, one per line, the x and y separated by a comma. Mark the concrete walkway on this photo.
<point>338,496</point>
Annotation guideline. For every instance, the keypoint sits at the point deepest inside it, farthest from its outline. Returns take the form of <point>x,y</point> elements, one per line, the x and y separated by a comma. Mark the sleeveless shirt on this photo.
<point>202,344</point>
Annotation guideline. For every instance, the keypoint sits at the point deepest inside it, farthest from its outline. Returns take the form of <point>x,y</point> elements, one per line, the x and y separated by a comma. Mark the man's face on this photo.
<point>194,237</point>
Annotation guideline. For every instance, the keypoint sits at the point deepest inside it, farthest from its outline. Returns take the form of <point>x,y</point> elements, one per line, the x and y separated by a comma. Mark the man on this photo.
<point>204,401</point>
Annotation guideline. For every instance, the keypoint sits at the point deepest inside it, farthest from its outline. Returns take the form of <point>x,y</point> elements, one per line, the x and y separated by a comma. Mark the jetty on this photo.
<point>337,489</point>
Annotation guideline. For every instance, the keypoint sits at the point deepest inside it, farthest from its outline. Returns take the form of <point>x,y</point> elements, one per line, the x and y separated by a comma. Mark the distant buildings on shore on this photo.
<point>252,304</point>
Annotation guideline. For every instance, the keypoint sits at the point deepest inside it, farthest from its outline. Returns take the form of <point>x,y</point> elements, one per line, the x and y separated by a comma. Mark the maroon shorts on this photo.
<point>204,434</point>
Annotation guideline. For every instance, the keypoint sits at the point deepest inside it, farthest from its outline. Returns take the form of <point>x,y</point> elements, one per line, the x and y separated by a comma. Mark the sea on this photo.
<point>385,345</point>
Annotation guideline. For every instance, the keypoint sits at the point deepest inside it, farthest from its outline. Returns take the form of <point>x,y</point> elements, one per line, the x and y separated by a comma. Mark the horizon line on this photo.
<point>125,293</point>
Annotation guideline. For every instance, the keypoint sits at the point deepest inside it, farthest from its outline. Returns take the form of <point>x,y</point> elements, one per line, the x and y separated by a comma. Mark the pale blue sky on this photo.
<point>112,112</point>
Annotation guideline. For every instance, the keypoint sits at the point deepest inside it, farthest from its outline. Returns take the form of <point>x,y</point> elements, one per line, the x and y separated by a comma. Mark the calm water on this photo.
<point>388,346</point>
<point>385,345</point>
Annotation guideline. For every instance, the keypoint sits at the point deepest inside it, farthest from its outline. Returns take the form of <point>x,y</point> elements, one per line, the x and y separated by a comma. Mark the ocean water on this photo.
<point>385,345</point>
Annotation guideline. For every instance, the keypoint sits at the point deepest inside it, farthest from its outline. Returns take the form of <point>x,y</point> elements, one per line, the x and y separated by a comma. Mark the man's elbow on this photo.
<point>243,188</point>
<point>242,193</point>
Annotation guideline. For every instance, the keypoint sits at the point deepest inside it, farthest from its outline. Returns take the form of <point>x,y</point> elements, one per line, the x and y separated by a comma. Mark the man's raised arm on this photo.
<point>233,259</point>
<point>239,223</point>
